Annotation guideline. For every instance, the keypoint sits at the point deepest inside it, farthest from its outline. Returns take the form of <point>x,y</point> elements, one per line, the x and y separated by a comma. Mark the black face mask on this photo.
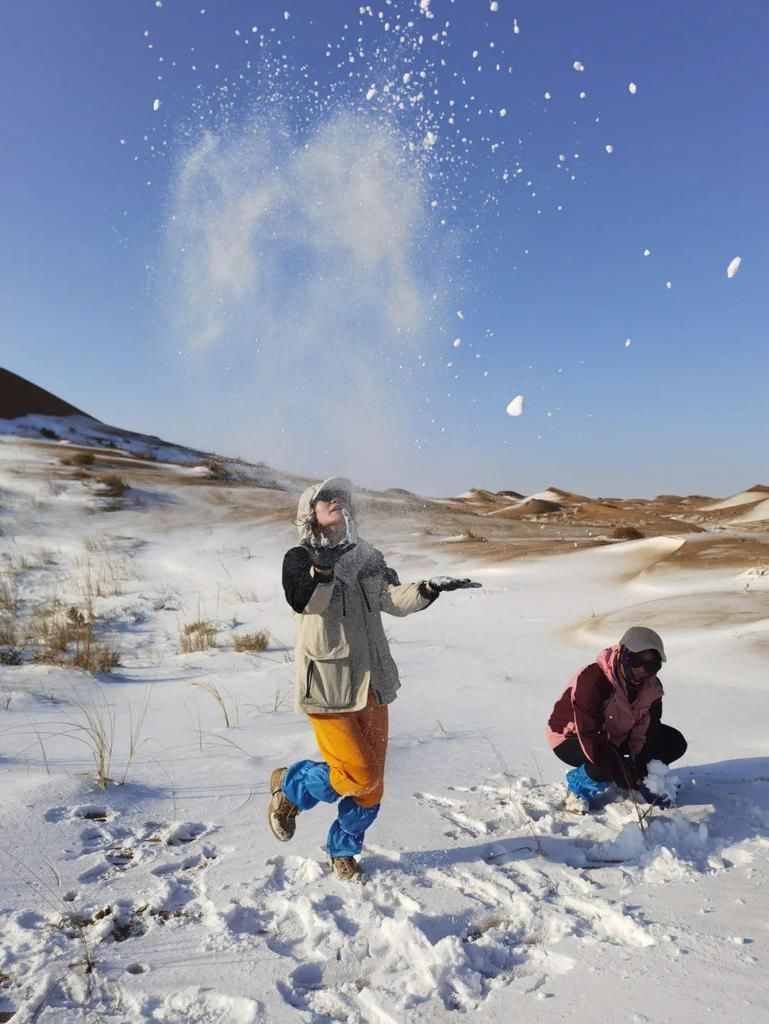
<point>651,663</point>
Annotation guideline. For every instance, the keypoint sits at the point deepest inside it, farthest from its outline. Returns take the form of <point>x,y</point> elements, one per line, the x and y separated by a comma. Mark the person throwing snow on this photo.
<point>607,723</point>
<point>345,676</point>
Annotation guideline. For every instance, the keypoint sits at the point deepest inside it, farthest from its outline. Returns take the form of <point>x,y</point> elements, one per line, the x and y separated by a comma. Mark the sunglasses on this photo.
<point>328,496</point>
<point>652,663</point>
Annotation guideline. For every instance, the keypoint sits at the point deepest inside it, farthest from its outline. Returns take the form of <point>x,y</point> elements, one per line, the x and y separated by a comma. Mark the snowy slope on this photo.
<point>163,897</point>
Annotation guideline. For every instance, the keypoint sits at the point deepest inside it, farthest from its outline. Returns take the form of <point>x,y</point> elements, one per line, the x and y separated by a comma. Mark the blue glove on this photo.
<point>655,799</point>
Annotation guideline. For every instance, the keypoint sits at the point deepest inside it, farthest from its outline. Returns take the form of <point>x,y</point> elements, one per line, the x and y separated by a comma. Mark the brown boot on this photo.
<point>281,814</point>
<point>348,869</point>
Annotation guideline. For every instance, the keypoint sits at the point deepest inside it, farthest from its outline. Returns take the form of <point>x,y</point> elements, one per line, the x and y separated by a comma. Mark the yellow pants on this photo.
<point>354,746</point>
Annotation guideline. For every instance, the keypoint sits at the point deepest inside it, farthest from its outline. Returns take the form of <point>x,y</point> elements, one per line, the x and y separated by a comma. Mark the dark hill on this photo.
<point>19,397</point>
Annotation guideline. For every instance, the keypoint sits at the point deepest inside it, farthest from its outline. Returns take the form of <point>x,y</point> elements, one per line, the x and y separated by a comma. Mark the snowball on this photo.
<point>515,408</point>
<point>734,266</point>
<point>632,88</point>
<point>609,149</point>
<point>156,105</point>
<point>578,65</point>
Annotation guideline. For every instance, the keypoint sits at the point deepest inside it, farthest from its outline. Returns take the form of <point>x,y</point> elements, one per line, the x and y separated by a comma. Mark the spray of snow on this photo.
<point>301,255</point>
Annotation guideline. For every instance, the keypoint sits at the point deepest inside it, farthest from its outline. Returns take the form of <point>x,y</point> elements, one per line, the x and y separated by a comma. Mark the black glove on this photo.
<point>439,584</point>
<point>326,558</point>
<point>655,799</point>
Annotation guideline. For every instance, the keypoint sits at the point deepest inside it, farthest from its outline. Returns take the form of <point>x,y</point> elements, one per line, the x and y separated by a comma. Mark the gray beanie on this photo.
<point>641,638</point>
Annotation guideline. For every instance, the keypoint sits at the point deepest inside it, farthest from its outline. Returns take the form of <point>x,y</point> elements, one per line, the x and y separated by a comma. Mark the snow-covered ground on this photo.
<point>164,897</point>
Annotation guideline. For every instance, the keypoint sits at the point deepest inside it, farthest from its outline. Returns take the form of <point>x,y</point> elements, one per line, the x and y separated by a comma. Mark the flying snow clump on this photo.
<point>494,6</point>
<point>734,266</point>
<point>609,149</point>
<point>156,105</point>
<point>578,65</point>
<point>515,408</point>
<point>628,342</point>
<point>632,88</point>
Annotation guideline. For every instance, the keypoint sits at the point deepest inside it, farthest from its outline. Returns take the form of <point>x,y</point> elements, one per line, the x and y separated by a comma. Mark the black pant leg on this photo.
<point>667,746</point>
<point>571,753</point>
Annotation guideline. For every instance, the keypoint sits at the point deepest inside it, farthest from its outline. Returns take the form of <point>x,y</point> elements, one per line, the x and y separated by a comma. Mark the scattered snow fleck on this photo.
<point>515,408</point>
<point>286,15</point>
<point>578,65</point>
<point>647,252</point>
<point>632,88</point>
<point>609,149</point>
<point>503,112</point>
<point>734,266</point>
<point>158,3</point>
<point>156,104</point>
<point>457,342</point>
<point>424,7</point>
<point>494,6</point>
<point>516,26</point>
<point>407,78</point>
<point>371,93</point>
<point>628,342</point>
<point>429,140</point>
<point>548,96</point>
<point>583,95</point>
<point>460,314</point>
<point>668,284</point>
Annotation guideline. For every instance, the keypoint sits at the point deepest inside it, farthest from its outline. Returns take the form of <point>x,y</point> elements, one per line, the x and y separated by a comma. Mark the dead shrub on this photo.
<point>626,533</point>
<point>252,643</point>
<point>112,486</point>
<point>197,636</point>
<point>82,459</point>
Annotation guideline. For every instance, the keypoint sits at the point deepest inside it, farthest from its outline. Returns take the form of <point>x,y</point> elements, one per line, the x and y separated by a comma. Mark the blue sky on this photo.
<point>90,268</point>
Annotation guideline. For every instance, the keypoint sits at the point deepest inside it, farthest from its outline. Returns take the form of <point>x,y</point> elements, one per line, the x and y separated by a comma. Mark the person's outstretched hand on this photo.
<point>325,559</point>
<point>439,584</point>
<point>660,800</point>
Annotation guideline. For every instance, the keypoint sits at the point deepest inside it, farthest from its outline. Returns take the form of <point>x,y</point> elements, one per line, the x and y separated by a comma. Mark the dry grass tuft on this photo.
<point>67,638</point>
<point>252,643</point>
<point>197,636</point>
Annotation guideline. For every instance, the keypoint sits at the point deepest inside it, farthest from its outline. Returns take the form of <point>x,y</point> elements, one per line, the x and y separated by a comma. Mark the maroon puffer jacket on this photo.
<point>595,706</point>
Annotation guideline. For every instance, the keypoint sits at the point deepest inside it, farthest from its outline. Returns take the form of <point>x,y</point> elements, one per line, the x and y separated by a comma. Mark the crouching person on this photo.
<point>345,677</point>
<point>607,724</point>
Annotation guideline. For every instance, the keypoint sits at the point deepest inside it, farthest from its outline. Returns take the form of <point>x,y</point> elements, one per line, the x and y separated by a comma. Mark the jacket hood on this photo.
<point>608,662</point>
<point>308,498</point>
